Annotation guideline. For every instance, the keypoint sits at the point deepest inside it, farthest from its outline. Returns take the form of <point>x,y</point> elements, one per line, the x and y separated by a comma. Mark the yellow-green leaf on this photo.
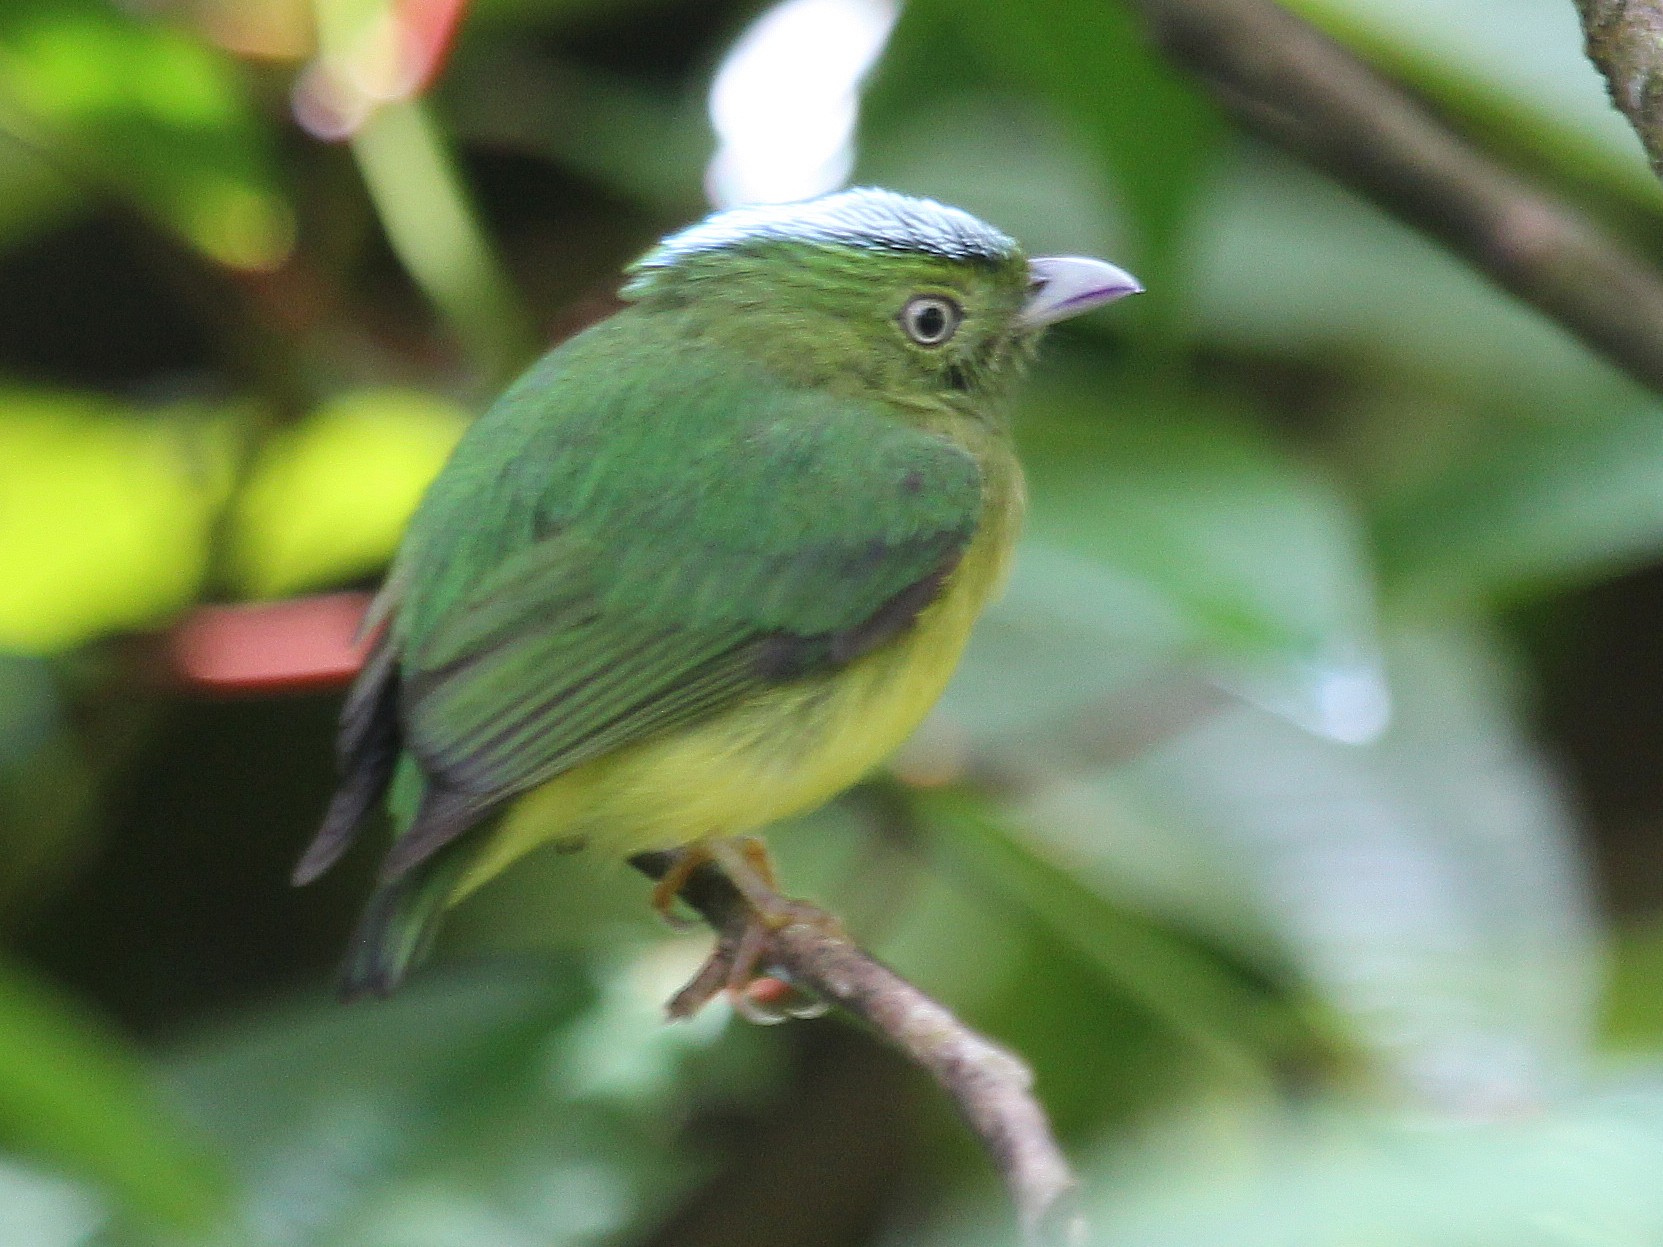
<point>327,501</point>
<point>104,515</point>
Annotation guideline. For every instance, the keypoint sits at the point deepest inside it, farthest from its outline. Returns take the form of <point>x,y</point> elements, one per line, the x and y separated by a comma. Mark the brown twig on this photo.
<point>1291,84</point>
<point>1625,39</point>
<point>991,1086</point>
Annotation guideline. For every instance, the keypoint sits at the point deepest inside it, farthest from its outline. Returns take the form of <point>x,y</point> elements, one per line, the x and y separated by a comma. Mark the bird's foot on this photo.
<point>737,965</point>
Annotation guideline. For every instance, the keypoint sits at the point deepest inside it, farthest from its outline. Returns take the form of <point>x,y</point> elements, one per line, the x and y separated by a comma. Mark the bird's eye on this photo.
<point>930,319</point>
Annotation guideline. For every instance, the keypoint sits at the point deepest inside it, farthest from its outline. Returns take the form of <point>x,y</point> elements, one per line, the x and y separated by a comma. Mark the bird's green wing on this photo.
<point>671,578</point>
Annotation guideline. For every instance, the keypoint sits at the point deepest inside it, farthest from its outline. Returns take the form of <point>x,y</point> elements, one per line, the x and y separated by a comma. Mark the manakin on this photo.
<point>705,564</point>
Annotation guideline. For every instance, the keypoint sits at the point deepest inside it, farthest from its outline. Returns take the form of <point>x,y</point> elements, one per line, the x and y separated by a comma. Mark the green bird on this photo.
<point>705,564</point>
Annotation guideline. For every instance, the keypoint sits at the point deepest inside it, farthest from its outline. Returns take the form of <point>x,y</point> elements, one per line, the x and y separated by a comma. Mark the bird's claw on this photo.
<point>763,996</point>
<point>736,964</point>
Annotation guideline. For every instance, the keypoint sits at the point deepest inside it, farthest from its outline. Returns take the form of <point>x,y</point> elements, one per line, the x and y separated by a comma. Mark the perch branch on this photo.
<point>991,1086</point>
<point>1292,85</point>
<point>1625,39</point>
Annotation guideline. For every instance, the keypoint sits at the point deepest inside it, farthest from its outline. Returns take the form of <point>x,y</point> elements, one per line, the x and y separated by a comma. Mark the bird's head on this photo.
<point>867,291</point>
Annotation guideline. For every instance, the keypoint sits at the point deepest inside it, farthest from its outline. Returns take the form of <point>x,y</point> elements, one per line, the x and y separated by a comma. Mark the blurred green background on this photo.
<point>1299,812</point>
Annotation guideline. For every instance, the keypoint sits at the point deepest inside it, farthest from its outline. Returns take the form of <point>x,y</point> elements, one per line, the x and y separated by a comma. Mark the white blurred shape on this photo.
<point>44,1210</point>
<point>1344,699</point>
<point>785,100</point>
<point>1353,703</point>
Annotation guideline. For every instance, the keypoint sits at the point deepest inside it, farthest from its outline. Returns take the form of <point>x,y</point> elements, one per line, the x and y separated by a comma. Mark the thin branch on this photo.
<point>1291,84</point>
<point>1625,39</point>
<point>991,1086</point>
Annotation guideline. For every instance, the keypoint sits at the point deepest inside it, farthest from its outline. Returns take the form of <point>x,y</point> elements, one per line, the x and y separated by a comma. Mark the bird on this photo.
<point>706,564</point>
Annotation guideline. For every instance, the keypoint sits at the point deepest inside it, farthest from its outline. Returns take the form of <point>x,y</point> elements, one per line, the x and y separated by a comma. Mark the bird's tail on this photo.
<point>398,924</point>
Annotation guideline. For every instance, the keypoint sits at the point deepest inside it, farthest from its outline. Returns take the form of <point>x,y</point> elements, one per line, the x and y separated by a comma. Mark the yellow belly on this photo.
<point>775,755</point>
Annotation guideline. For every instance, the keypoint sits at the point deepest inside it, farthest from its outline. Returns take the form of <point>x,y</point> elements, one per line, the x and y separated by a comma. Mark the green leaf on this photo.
<point>1206,541</point>
<point>1633,1006</point>
<point>1535,507</point>
<point>527,12</point>
<point>109,513</point>
<point>1287,264</point>
<point>1580,1173</point>
<point>327,500</point>
<point>1068,633</point>
<point>47,790</point>
<point>602,126</point>
<point>162,118</point>
<point>494,1109</point>
<point>72,1095</point>
<point>1427,886</point>
<point>1194,999</point>
<point>32,194</point>
<point>1254,548</point>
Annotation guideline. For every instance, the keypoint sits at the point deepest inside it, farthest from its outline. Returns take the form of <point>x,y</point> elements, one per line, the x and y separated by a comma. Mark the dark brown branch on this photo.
<point>1291,84</point>
<point>1625,39</point>
<point>990,1085</point>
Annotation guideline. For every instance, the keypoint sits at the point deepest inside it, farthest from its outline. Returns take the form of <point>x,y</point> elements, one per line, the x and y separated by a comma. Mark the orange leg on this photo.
<point>669,886</point>
<point>746,863</point>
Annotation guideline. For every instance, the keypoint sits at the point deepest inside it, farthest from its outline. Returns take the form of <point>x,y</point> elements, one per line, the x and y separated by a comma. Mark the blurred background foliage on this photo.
<point>1299,812</point>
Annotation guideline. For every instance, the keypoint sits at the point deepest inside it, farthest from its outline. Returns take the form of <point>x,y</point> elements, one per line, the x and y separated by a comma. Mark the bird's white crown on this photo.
<point>863,217</point>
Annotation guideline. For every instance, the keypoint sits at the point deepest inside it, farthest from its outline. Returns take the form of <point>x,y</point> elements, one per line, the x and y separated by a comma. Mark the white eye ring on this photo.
<point>930,319</point>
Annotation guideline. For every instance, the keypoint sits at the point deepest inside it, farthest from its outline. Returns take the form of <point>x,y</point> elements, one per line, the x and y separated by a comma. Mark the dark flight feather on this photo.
<point>366,752</point>
<point>397,926</point>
